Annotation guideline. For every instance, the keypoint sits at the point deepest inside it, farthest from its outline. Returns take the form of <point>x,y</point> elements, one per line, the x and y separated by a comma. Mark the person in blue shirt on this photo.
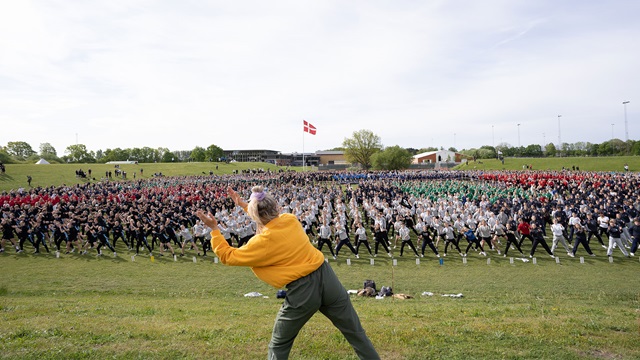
<point>473,240</point>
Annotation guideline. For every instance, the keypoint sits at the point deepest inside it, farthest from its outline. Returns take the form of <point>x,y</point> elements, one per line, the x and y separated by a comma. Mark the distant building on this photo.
<point>331,157</point>
<point>271,156</point>
<point>438,157</point>
<point>250,155</point>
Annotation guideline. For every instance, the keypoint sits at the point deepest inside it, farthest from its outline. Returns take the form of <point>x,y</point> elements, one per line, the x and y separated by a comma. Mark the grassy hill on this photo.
<point>59,174</point>
<point>612,163</point>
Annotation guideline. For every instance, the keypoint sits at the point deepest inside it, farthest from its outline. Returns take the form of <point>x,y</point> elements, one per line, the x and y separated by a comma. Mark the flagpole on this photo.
<point>303,150</point>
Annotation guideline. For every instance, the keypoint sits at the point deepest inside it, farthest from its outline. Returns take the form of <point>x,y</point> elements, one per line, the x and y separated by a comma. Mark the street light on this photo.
<point>559,137</point>
<point>518,135</point>
<point>626,128</point>
<point>612,133</point>
<point>493,137</point>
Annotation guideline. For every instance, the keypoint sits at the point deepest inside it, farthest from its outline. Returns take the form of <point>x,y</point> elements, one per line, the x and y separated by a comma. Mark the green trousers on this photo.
<point>320,290</point>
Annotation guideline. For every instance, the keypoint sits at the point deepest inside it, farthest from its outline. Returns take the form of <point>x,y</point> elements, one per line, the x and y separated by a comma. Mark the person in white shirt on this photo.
<point>342,238</point>
<point>324,237</point>
<point>361,238</point>
<point>404,234</point>
<point>573,220</point>
<point>187,238</point>
<point>603,224</point>
<point>558,235</point>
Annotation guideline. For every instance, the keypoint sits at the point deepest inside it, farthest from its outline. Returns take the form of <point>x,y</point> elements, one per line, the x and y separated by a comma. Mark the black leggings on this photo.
<point>322,241</point>
<point>426,240</point>
<point>540,241</point>
<point>384,245</point>
<point>366,244</point>
<point>476,243</point>
<point>348,243</point>
<point>410,243</point>
<point>453,244</point>
<point>511,240</point>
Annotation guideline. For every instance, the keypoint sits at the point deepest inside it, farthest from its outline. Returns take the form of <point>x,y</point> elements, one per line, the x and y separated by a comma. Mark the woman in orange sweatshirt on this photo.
<point>281,254</point>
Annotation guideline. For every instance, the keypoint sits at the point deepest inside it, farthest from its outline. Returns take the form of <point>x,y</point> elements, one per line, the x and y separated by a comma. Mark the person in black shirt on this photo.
<point>593,229</point>
<point>635,236</point>
<point>8,233</point>
<point>580,238</point>
<point>538,239</point>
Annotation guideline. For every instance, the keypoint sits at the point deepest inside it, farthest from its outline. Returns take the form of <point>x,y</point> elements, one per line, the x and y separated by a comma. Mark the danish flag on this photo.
<point>309,128</point>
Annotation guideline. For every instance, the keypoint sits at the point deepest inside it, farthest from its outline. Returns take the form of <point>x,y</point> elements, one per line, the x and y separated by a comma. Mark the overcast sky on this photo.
<point>244,74</point>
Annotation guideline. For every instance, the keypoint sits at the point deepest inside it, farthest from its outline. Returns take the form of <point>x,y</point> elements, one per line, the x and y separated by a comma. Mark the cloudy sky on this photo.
<point>244,74</point>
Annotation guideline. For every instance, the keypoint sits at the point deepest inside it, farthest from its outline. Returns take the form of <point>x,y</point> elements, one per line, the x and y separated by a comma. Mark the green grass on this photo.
<point>83,307</point>
<point>612,163</point>
<point>59,174</point>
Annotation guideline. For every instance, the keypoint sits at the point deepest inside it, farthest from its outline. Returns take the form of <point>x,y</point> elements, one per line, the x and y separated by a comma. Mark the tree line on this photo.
<point>20,151</point>
<point>364,148</point>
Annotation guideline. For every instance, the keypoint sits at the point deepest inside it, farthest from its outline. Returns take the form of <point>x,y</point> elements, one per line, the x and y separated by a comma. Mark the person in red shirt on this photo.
<point>524,229</point>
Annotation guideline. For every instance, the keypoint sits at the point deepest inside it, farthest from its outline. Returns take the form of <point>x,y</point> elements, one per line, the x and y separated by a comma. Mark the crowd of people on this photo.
<point>403,210</point>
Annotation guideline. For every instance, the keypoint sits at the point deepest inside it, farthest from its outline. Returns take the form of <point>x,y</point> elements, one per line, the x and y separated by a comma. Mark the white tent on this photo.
<point>42,162</point>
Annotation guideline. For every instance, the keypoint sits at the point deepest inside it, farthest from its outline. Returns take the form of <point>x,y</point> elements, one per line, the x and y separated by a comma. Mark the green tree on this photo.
<point>168,156</point>
<point>550,149</point>
<point>427,149</point>
<point>506,149</point>
<point>47,149</point>
<point>361,146</point>
<point>533,150</point>
<point>214,152</point>
<point>19,149</point>
<point>116,154</point>
<point>198,154</point>
<point>78,154</point>
<point>392,158</point>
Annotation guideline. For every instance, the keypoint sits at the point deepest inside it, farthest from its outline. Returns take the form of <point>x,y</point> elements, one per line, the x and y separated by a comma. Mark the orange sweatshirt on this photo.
<point>280,254</point>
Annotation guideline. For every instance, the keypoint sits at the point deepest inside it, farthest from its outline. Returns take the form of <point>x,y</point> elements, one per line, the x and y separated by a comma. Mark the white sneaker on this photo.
<point>437,255</point>
<point>632,254</point>
<point>603,246</point>
<point>357,256</point>
<point>389,254</point>
<point>114,254</point>
<point>571,254</point>
<point>334,257</point>
<point>483,253</point>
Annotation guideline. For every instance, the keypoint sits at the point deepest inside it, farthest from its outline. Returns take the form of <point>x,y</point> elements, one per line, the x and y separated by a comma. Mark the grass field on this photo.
<point>612,163</point>
<point>59,174</point>
<point>83,307</point>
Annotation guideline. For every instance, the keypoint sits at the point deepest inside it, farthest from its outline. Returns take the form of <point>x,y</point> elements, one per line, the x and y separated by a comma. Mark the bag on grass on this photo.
<point>371,284</point>
<point>385,291</point>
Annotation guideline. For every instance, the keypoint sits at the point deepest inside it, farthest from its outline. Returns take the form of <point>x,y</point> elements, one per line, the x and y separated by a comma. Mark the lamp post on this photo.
<point>612,133</point>
<point>493,137</point>
<point>454,140</point>
<point>559,137</point>
<point>626,128</point>
<point>518,135</point>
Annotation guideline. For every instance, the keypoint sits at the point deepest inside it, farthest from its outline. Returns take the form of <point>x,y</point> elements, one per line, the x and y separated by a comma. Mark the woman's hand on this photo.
<point>236,198</point>
<point>207,219</point>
